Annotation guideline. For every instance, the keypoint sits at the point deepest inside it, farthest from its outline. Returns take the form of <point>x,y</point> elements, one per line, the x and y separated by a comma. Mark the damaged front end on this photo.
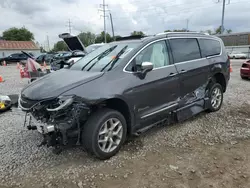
<point>59,120</point>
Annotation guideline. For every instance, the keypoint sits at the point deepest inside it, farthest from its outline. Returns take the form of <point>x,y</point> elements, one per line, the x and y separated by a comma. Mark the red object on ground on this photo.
<point>245,70</point>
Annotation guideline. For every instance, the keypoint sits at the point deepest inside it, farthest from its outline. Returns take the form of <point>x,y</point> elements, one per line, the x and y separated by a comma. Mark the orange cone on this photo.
<point>231,68</point>
<point>44,64</point>
<point>18,66</point>
<point>1,79</point>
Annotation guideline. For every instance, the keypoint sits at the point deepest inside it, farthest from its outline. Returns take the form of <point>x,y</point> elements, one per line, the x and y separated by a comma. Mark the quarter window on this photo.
<point>156,53</point>
<point>210,47</point>
<point>185,49</point>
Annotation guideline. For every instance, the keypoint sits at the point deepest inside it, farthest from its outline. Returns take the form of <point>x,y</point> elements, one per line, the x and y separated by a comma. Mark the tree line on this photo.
<point>87,38</point>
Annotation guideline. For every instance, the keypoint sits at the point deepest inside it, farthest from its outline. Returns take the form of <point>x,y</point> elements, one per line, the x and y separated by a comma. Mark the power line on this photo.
<point>69,25</point>
<point>203,5</point>
<point>104,10</point>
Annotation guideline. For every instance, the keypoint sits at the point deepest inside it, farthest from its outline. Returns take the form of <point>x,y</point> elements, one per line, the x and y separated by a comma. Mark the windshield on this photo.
<point>93,47</point>
<point>106,57</point>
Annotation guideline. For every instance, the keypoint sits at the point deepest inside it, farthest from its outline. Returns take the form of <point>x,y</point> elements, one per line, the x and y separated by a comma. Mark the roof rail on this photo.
<point>180,33</point>
<point>130,37</point>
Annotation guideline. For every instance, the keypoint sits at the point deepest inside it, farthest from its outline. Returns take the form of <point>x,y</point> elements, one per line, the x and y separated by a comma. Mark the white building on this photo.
<point>10,47</point>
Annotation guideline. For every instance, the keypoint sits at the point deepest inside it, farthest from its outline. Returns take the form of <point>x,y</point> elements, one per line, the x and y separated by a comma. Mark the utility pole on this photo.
<point>187,25</point>
<point>223,15</point>
<point>111,20</point>
<point>104,19</point>
<point>104,10</point>
<point>69,25</point>
<point>48,42</point>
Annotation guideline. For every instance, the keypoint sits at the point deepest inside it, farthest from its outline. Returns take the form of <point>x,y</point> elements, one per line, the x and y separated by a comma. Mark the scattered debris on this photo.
<point>234,142</point>
<point>173,167</point>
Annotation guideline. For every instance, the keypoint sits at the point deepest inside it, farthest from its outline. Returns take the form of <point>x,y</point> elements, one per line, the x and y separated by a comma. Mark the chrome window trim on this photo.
<point>158,111</point>
<point>183,62</point>
<point>169,38</point>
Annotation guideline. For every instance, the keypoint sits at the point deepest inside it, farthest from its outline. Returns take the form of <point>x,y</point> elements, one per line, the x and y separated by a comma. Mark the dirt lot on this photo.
<point>210,150</point>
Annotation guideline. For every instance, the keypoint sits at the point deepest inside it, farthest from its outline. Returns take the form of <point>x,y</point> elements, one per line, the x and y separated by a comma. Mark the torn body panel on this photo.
<point>59,120</point>
<point>193,103</point>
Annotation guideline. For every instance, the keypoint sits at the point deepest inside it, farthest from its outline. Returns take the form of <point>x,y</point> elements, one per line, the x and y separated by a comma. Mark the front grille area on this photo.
<point>26,103</point>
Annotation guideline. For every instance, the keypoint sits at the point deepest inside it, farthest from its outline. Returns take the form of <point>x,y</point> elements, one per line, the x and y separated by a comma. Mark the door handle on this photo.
<point>183,71</point>
<point>172,74</point>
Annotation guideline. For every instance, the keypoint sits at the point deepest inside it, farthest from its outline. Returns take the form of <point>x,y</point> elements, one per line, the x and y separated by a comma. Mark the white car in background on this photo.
<point>237,55</point>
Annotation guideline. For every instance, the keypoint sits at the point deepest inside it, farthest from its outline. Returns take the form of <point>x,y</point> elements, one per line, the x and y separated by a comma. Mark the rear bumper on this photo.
<point>245,72</point>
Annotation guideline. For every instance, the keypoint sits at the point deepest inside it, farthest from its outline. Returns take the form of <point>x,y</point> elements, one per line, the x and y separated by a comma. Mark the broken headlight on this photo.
<point>63,102</point>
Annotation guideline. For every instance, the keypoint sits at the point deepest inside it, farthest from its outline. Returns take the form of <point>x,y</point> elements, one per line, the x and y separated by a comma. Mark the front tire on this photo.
<point>104,133</point>
<point>215,97</point>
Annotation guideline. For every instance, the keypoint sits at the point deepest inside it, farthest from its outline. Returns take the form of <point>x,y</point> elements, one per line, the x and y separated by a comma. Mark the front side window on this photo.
<point>156,53</point>
<point>185,49</point>
<point>210,47</point>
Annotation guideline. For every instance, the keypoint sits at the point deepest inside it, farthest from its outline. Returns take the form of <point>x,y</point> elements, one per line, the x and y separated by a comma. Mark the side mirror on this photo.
<point>147,66</point>
<point>144,68</point>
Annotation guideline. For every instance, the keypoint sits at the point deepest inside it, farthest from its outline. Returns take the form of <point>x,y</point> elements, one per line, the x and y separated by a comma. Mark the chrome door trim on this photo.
<point>158,111</point>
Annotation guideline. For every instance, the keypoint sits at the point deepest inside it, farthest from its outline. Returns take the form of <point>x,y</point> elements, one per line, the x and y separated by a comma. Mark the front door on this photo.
<point>192,68</point>
<point>158,92</point>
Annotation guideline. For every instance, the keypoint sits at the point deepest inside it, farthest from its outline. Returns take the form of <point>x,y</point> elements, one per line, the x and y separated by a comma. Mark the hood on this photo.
<point>56,83</point>
<point>73,42</point>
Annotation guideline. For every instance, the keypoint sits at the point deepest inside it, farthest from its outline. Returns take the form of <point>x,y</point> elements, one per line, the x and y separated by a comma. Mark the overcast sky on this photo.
<point>50,17</point>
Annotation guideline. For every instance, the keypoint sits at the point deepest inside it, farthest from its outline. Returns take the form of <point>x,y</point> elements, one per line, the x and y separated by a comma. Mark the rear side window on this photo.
<point>210,47</point>
<point>185,49</point>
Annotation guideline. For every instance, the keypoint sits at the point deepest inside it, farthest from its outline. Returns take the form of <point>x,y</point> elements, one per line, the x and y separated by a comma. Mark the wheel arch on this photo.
<point>121,106</point>
<point>220,78</point>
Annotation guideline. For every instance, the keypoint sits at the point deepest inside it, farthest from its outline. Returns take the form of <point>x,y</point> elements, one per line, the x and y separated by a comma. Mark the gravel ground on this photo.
<point>210,150</point>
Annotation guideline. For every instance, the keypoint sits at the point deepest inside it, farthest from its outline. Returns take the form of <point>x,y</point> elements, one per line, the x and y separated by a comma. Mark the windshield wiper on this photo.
<point>113,61</point>
<point>100,56</point>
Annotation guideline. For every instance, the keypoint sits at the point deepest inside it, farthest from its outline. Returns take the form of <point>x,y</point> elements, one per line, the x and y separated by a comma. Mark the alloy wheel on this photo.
<point>216,98</point>
<point>110,135</point>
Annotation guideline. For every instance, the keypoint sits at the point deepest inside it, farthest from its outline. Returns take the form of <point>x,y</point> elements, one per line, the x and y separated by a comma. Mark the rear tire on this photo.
<point>215,97</point>
<point>104,133</point>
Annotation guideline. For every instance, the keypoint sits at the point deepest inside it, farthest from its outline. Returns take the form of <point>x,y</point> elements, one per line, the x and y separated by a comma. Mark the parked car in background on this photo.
<point>245,70</point>
<point>125,88</point>
<point>47,57</point>
<point>77,51</point>
<point>14,58</point>
<point>237,55</point>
